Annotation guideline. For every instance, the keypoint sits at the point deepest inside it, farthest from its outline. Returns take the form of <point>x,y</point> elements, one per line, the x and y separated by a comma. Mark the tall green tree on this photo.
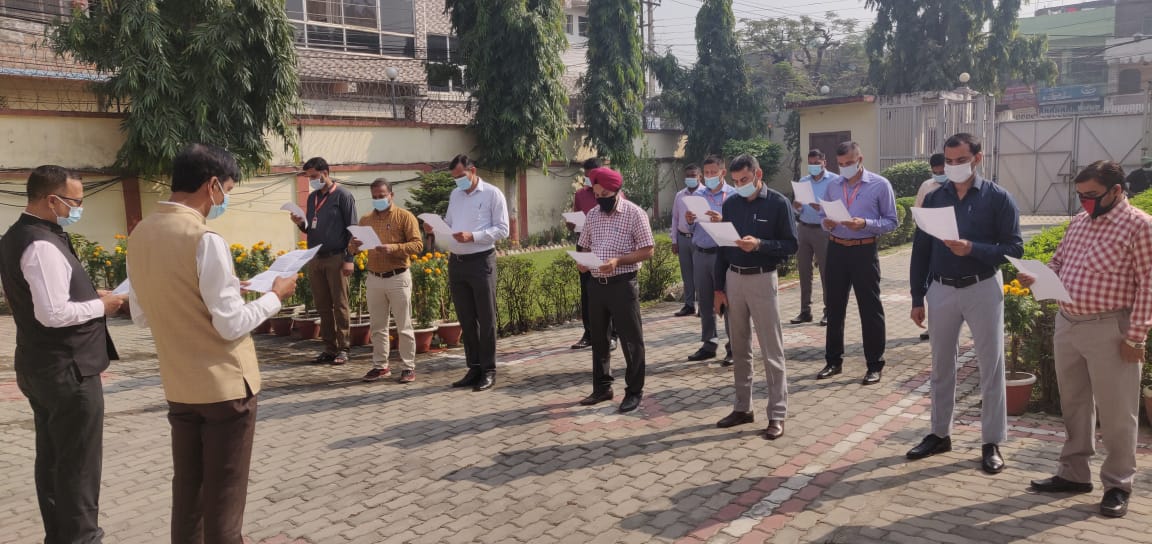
<point>210,71</point>
<point>924,45</point>
<point>614,82</point>
<point>512,49</point>
<point>713,100</point>
<point>791,59</point>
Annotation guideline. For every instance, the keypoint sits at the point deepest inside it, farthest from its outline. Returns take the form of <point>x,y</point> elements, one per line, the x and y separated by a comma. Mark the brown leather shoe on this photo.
<point>775,430</point>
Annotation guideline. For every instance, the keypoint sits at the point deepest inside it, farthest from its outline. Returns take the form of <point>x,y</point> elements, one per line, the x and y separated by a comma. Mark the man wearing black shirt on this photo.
<point>746,284</point>
<point>1139,180</point>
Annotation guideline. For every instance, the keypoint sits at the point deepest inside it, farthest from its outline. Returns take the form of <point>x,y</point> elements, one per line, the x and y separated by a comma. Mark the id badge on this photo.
<point>313,227</point>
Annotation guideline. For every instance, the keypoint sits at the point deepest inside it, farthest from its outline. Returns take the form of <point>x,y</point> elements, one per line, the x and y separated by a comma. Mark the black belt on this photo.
<point>817,225</point>
<point>747,270</point>
<point>627,276</point>
<point>396,272</point>
<point>707,250</point>
<point>326,254</point>
<point>463,257</point>
<point>685,234</point>
<point>965,281</point>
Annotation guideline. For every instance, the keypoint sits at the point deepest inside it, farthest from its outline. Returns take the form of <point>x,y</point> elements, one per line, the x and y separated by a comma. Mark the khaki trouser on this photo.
<point>753,301</point>
<point>391,296</point>
<point>330,293</point>
<point>1091,374</point>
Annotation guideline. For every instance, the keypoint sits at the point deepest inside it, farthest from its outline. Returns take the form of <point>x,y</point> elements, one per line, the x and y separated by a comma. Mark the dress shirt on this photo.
<point>392,226</point>
<point>1106,265</point>
<point>987,217</point>
<point>614,235</point>
<point>768,217</point>
<point>584,200</point>
<point>220,289</point>
<point>481,212</point>
<point>678,210</point>
<point>700,237</point>
<point>928,186</point>
<point>49,275</point>
<point>333,213</point>
<point>874,203</point>
<point>808,214</point>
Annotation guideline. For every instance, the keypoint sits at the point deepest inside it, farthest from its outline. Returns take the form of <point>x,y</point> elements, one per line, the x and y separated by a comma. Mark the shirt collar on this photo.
<point>1114,215</point>
<point>977,184</point>
<point>480,187</point>
<point>28,218</point>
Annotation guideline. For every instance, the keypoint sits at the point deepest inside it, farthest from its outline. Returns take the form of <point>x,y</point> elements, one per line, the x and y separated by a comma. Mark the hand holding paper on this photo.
<point>697,205</point>
<point>803,192</point>
<point>285,266</point>
<point>576,218</point>
<point>835,210</point>
<point>938,222</point>
<point>586,259</point>
<point>122,289</point>
<point>723,233</point>
<point>439,227</point>
<point>292,208</point>
<point>1047,284</point>
<point>367,237</point>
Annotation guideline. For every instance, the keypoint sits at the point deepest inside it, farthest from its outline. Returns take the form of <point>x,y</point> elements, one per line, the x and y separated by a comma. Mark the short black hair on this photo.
<point>847,147</point>
<point>1108,173</point>
<point>690,167</point>
<point>198,163</point>
<point>591,164</point>
<point>957,140</point>
<point>744,162</point>
<point>714,159</point>
<point>381,182</point>
<point>316,163</point>
<point>937,159</point>
<point>815,153</point>
<point>461,159</point>
<point>48,179</point>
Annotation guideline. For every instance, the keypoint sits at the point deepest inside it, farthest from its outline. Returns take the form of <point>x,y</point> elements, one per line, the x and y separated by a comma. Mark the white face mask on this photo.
<point>316,183</point>
<point>958,173</point>
<point>850,171</point>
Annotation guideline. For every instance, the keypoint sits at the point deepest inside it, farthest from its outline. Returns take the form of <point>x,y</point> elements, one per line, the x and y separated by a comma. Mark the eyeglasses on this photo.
<point>76,202</point>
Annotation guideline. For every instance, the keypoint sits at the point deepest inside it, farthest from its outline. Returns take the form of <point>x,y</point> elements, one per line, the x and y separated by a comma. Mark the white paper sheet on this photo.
<point>122,289</point>
<point>576,218</point>
<point>804,193</point>
<point>835,210</point>
<point>439,227</point>
<point>285,266</point>
<point>1047,285</point>
<point>367,237</point>
<point>293,208</point>
<point>586,258</point>
<point>937,222</point>
<point>723,233</point>
<point>697,205</point>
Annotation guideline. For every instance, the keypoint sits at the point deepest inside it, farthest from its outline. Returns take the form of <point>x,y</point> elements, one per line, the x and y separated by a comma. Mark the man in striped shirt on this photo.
<point>1105,262</point>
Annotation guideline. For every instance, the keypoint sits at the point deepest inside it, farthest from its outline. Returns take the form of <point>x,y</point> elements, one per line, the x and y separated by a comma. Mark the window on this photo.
<point>1129,82</point>
<point>582,29</point>
<point>444,72</point>
<point>376,27</point>
<point>568,25</point>
<point>41,11</point>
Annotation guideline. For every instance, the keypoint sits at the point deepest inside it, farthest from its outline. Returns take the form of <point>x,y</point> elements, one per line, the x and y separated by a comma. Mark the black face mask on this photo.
<point>607,204</point>
<point>1095,206</point>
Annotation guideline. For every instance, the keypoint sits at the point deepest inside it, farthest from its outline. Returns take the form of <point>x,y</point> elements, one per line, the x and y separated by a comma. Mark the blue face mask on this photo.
<point>316,183</point>
<point>940,178</point>
<point>463,183</point>
<point>218,209</point>
<point>691,183</point>
<point>746,190</point>
<point>712,183</point>
<point>74,213</point>
<point>381,204</point>
<point>815,169</point>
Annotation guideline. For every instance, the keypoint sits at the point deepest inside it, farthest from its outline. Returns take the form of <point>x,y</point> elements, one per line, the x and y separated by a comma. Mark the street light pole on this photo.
<point>392,74</point>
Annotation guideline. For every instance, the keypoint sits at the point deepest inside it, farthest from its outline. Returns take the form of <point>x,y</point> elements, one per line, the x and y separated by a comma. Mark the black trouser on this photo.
<point>585,277</point>
<point>855,268</point>
<point>472,280</point>
<point>68,410</point>
<point>211,455</point>
<point>617,302</point>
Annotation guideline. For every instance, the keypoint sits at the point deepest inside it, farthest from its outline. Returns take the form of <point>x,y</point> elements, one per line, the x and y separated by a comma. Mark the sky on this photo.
<point>676,19</point>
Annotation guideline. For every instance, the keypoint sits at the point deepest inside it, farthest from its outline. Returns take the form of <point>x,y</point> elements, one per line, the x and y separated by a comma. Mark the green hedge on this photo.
<point>906,226</point>
<point>906,177</point>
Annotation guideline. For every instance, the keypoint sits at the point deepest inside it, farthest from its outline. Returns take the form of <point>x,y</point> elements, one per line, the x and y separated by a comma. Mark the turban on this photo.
<point>607,178</point>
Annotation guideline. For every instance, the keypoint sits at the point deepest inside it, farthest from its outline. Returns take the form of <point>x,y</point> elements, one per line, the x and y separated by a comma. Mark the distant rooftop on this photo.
<point>1097,22</point>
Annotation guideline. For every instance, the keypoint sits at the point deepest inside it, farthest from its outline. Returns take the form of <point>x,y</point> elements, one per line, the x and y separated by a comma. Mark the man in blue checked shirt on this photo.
<point>812,239</point>
<point>715,191</point>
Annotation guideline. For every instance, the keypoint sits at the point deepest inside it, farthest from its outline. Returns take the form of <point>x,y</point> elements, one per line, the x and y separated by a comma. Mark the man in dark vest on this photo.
<point>62,345</point>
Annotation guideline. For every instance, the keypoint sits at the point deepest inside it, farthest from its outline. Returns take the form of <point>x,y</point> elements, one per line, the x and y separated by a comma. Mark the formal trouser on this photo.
<point>211,453</point>
<point>586,277</point>
<point>753,301</point>
<point>705,276</point>
<point>854,269</point>
<point>687,252</point>
<point>813,248</point>
<point>472,280</point>
<point>68,412</point>
<point>981,306</point>
<point>617,301</point>
<point>1090,372</point>
<point>330,294</point>
<point>392,295</point>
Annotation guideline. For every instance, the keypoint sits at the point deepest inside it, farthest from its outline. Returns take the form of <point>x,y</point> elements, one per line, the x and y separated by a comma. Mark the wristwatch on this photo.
<point>1135,345</point>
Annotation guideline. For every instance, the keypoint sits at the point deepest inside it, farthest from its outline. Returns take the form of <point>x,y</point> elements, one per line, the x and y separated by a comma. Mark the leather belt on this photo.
<point>813,225</point>
<point>627,276</point>
<point>326,254</point>
<point>847,242</point>
<point>685,234</point>
<point>463,257</point>
<point>965,281</point>
<point>389,274</point>
<point>706,250</point>
<point>747,270</point>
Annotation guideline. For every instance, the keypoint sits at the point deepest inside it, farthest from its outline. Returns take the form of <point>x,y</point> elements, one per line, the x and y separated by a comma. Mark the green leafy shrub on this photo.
<point>659,272</point>
<point>559,291</point>
<point>905,224</point>
<point>515,294</point>
<point>768,153</point>
<point>906,177</point>
<point>431,194</point>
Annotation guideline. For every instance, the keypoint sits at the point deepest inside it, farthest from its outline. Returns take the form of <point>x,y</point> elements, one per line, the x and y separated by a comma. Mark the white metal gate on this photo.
<point>913,127</point>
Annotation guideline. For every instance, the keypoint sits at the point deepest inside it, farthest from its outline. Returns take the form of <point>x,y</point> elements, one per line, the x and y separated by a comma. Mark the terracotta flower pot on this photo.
<point>263,328</point>
<point>360,334</point>
<point>281,325</point>
<point>1019,392</point>
<point>450,334</point>
<point>307,328</point>
<point>393,339</point>
<point>424,339</point>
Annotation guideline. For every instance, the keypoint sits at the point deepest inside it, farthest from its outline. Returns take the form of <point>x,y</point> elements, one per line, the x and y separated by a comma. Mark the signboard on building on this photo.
<point>1019,97</point>
<point>1070,93</point>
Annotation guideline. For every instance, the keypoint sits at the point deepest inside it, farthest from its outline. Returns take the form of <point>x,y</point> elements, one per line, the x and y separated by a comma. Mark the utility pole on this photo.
<point>651,41</point>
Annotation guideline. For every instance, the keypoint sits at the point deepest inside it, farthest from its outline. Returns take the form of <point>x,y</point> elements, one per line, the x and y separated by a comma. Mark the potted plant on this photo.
<point>307,325</point>
<point>449,330</point>
<point>1020,314</point>
<point>427,274</point>
<point>248,262</point>
<point>361,329</point>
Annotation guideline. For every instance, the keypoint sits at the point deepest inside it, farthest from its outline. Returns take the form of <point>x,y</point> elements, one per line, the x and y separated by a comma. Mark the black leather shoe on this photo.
<point>727,360</point>
<point>931,445</point>
<point>735,418</point>
<point>1115,503</point>
<point>597,397</point>
<point>583,343</point>
<point>775,430</point>
<point>631,402</point>
<point>828,372</point>
<point>1057,484</point>
<point>923,336</point>
<point>872,377</point>
<point>991,461</point>
<point>702,355</point>
<point>469,379</point>
<point>486,381</point>
<point>823,321</point>
<point>804,317</point>
<point>613,344</point>
<point>685,311</point>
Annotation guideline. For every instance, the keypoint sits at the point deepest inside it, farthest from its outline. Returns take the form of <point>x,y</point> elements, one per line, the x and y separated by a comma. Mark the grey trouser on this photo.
<point>705,264</point>
<point>981,306</point>
<point>752,300</point>
<point>686,252</point>
<point>1090,372</point>
<point>813,247</point>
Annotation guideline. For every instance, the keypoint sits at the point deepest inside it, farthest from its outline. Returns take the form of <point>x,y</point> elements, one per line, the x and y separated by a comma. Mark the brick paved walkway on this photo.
<point>341,461</point>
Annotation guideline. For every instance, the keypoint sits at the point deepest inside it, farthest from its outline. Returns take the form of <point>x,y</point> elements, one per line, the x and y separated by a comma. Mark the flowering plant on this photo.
<point>429,283</point>
<point>359,283</point>
<point>1020,314</point>
<point>106,268</point>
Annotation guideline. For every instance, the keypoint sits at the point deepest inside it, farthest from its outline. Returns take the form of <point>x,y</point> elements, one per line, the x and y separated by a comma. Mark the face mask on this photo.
<point>316,183</point>
<point>940,178</point>
<point>1095,206</point>
<point>712,183</point>
<point>850,171</point>
<point>958,173</point>
<point>691,183</point>
<point>463,183</point>
<point>74,213</point>
<point>607,204</point>
<point>587,181</point>
<point>746,190</point>
<point>381,204</point>
<point>218,209</point>
<point>815,169</point>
